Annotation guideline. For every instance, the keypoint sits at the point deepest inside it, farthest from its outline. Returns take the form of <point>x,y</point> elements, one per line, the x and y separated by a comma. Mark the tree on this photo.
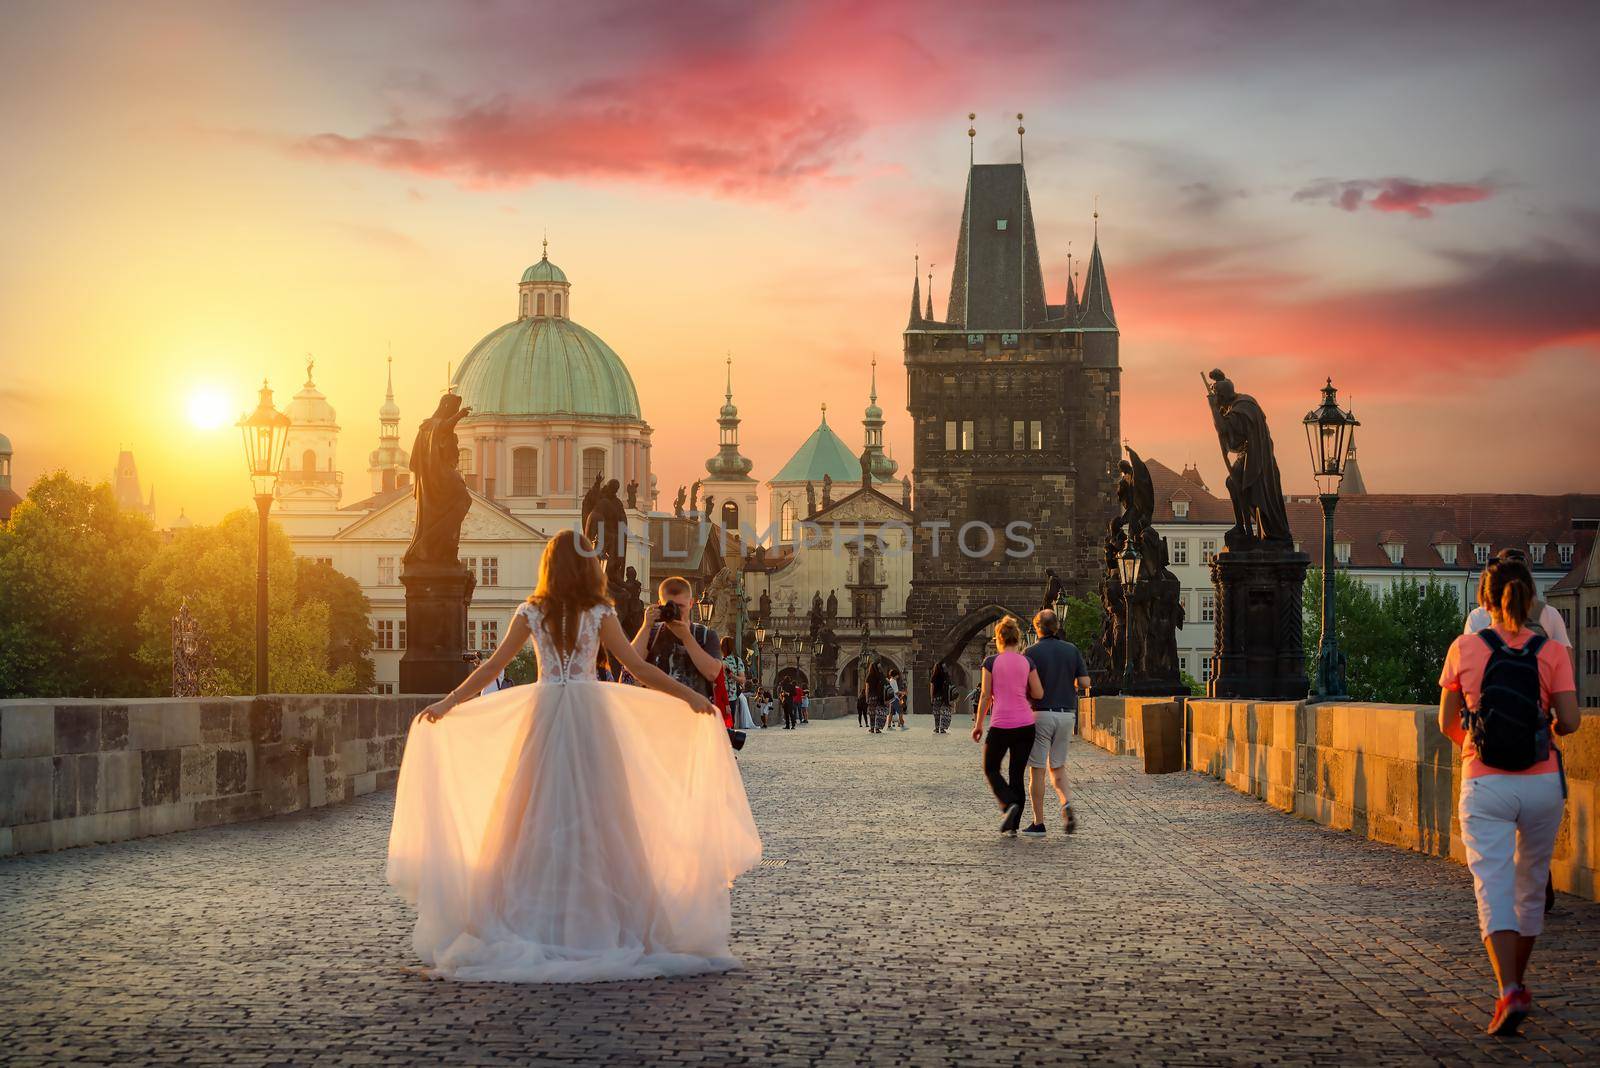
<point>214,569</point>
<point>69,599</point>
<point>524,667</point>
<point>1393,643</point>
<point>349,628</point>
<point>1080,623</point>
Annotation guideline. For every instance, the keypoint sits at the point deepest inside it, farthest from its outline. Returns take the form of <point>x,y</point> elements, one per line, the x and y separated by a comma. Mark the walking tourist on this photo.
<point>896,695</point>
<point>786,699</point>
<point>737,683</point>
<point>1009,684</point>
<point>874,687</point>
<point>1497,692</point>
<point>942,692</point>
<point>1064,675</point>
<point>1542,619</point>
<point>804,701</point>
<point>863,710</point>
<point>764,702</point>
<point>524,861</point>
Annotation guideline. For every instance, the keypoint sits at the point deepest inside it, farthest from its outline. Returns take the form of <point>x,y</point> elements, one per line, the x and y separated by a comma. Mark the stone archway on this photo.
<point>951,643</point>
<point>788,677</point>
<point>850,675</point>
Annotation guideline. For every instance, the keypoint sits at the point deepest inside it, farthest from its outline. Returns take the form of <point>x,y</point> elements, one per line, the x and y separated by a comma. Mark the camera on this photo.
<point>668,611</point>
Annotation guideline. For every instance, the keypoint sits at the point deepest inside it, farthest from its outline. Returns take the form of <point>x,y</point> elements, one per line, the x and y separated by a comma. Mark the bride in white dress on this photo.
<point>571,830</point>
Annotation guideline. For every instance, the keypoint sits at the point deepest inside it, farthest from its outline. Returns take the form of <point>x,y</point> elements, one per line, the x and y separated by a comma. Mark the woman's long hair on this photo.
<point>873,684</point>
<point>571,582</point>
<point>1509,590</point>
<point>1008,633</point>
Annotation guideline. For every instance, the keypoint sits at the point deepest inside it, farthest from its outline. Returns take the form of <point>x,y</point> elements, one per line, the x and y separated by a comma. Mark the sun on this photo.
<point>208,408</point>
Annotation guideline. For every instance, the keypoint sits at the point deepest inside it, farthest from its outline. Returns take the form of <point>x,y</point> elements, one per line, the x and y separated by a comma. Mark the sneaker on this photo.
<point>1012,819</point>
<point>1069,820</point>
<point>1509,1012</point>
<point>1034,830</point>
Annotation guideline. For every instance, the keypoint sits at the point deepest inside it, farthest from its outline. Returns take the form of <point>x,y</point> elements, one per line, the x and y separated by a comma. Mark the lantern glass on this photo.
<point>265,433</point>
<point>1328,437</point>
<point>1128,563</point>
<point>761,635</point>
<point>816,650</point>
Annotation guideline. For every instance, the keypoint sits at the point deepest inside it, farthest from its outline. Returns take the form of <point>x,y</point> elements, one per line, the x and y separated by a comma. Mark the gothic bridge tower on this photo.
<point>1016,410</point>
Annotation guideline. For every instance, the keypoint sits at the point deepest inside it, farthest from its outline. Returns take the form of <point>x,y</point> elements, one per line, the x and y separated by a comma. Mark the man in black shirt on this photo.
<point>689,652</point>
<point>1064,675</point>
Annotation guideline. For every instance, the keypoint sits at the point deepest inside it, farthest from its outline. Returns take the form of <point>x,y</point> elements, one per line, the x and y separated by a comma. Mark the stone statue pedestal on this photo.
<point>437,596</point>
<point>1259,649</point>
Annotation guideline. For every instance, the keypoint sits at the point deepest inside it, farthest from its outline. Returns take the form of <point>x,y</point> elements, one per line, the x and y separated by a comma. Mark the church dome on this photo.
<point>309,407</point>
<point>5,445</point>
<point>546,366</point>
<point>545,271</point>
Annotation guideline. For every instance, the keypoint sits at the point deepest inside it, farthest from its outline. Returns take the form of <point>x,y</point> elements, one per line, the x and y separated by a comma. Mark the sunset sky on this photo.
<point>196,195</point>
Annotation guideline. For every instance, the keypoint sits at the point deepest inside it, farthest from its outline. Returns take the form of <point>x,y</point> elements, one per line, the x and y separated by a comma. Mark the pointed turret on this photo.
<point>929,315</point>
<point>727,463</point>
<point>875,463</point>
<point>1097,294</point>
<point>996,283</point>
<point>916,297</point>
<point>1071,307</point>
<point>1352,484</point>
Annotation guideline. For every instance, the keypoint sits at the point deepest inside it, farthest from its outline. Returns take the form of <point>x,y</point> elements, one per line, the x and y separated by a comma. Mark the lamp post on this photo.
<point>1128,564</point>
<point>265,432</point>
<point>1328,430</point>
<point>761,639</point>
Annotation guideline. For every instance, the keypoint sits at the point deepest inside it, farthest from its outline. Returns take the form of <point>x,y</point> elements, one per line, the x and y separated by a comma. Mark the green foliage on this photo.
<point>349,630</point>
<point>1080,624</point>
<point>1393,643</point>
<point>214,569</point>
<point>69,600</point>
<point>1195,687</point>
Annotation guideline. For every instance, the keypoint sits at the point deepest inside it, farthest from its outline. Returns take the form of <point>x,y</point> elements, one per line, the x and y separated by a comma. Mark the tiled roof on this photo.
<point>1420,521</point>
<point>1580,566</point>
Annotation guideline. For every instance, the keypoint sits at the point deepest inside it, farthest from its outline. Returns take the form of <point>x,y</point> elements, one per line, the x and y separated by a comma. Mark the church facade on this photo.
<point>1015,404</point>
<point>553,406</point>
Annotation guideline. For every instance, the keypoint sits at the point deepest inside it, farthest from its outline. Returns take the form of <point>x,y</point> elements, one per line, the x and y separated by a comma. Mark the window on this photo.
<point>386,571</point>
<point>539,304</point>
<point>1447,552</point>
<point>383,688</point>
<point>524,472</point>
<point>1564,552</point>
<point>999,224</point>
<point>1019,434</point>
<point>1536,551</point>
<point>385,634</point>
<point>1208,606</point>
<point>1180,550</point>
<point>1480,551</point>
<point>594,466</point>
<point>730,515</point>
<point>786,522</point>
<point>489,571</point>
<point>399,634</point>
<point>523,308</point>
<point>1591,661</point>
<point>1205,668</point>
<point>488,633</point>
<point>1035,435</point>
<point>464,461</point>
<point>1341,552</point>
<point>557,299</point>
<point>1183,663</point>
<point>1396,551</point>
<point>966,435</point>
<point>472,632</point>
<point>308,461</point>
<point>322,560</point>
<point>949,435</point>
<point>1208,550</point>
<point>1180,509</point>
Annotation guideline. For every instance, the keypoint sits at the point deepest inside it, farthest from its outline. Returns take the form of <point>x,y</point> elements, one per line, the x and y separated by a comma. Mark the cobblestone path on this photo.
<point>1184,924</point>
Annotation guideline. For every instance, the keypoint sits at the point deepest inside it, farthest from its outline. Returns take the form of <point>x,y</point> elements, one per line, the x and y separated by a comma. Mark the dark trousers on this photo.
<point>861,716</point>
<point>1017,743</point>
<point>788,714</point>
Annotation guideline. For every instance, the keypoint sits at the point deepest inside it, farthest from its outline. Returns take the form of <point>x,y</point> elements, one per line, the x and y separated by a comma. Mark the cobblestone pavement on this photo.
<point>1184,924</point>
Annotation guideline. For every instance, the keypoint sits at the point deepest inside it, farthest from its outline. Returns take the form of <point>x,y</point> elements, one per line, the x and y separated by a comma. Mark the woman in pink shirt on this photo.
<point>1509,818</point>
<point>1009,680</point>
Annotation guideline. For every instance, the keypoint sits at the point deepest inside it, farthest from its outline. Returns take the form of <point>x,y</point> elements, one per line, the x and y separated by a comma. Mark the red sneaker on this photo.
<point>1509,1012</point>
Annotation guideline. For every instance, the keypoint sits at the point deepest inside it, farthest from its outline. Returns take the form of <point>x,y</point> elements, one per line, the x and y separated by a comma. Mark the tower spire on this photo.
<point>1071,307</point>
<point>1097,309</point>
<point>916,296</point>
<point>1020,131</point>
<point>972,133</point>
<point>929,316</point>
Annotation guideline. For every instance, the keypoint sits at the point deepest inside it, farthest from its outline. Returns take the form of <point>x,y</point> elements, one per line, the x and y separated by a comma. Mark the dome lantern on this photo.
<point>727,463</point>
<point>544,290</point>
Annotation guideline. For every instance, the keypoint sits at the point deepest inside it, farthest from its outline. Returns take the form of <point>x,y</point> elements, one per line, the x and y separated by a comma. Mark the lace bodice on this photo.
<point>578,666</point>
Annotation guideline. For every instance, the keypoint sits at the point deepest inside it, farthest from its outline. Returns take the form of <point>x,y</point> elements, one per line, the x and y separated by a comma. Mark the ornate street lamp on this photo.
<point>761,640</point>
<point>708,607</point>
<point>1128,565</point>
<point>1328,430</point>
<point>265,432</point>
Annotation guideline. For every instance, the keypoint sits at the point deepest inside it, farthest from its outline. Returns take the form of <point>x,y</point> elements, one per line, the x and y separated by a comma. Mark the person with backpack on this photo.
<point>1498,691</point>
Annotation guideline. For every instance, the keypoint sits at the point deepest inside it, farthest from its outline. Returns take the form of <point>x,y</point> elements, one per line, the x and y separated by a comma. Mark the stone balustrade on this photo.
<point>75,772</point>
<point>1382,771</point>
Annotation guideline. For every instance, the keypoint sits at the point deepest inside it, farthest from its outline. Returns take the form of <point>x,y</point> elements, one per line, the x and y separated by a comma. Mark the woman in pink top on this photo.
<point>1509,819</point>
<point>1009,680</point>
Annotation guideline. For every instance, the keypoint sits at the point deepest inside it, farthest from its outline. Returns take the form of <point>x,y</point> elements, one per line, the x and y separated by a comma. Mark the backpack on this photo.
<point>1509,728</point>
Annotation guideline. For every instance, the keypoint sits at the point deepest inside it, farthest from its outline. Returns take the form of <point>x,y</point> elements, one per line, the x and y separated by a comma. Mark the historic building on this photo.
<point>1379,539</point>
<point>735,495</point>
<point>8,496</point>
<point>125,487</point>
<point>1576,595</point>
<point>552,407</point>
<point>1016,410</point>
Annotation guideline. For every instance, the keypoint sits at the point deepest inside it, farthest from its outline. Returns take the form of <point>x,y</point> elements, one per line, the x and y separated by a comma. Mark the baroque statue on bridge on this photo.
<point>441,492</point>
<point>1259,517</point>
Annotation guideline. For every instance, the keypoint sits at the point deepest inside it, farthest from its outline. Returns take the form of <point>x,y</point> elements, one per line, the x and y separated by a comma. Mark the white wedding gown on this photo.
<point>571,830</point>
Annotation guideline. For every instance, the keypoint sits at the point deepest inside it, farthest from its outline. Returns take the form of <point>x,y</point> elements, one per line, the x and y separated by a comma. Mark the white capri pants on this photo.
<point>1509,825</point>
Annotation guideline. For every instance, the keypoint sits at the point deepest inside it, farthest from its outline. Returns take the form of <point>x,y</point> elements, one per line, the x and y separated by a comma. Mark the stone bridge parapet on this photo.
<point>77,772</point>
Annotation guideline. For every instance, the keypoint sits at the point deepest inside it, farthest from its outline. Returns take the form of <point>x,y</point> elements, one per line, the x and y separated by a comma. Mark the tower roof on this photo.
<point>5,445</point>
<point>1352,483</point>
<point>309,407</point>
<point>997,283</point>
<point>823,453</point>
<point>389,412</point>
<point>1097,294</point>
<point>873,412</point>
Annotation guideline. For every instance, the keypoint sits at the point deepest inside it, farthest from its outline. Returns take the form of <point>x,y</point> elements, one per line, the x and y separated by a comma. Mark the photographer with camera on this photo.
<point>691,653</point>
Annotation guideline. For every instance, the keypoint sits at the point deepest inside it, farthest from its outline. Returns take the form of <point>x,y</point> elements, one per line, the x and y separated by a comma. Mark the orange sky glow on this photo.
<point>197,196</point>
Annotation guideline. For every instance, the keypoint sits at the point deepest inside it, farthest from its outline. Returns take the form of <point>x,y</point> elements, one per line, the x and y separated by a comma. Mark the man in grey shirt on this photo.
<point>1064,675</point>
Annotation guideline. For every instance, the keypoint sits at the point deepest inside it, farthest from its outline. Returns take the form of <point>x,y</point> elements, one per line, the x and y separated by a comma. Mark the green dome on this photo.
<point>545,367</point>
<point>545,271</point>
<point>5,445</point>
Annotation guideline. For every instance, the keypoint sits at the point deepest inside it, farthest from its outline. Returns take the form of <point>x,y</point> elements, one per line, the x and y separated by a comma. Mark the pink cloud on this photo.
<point>1414,198</point>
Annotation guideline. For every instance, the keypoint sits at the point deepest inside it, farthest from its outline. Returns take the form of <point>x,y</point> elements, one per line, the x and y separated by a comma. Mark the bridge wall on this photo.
<point>76,772</point>
<point>1382,771</point>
